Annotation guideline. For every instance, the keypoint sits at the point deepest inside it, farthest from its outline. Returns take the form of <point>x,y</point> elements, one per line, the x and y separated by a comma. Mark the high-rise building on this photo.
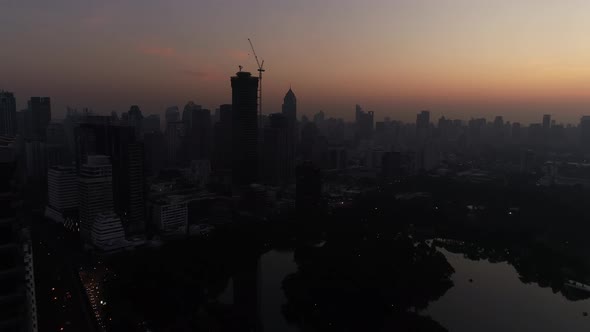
<point>135,120</point>
<point>200,134</point>
<point>37,118</point>
<point>172,114</point>
<point>120,144</point>
<point>276,150</point>
<point>290,113</point>
<point>244,128</point>
<point>364,123</point>
<point>584,128</point>
<point>174,135</point>
<point>423,120</point>
<point>62,192</point>
<point>7,114</point>
<point>223,139</point>
<point>95,185</point>
<point>155,152</point>
<point>18,309</point>
<point>546,122</point>
<point>151,124</point>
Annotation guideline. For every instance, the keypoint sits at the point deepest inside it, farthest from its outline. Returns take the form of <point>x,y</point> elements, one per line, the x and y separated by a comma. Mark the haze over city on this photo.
<point>461,59</point>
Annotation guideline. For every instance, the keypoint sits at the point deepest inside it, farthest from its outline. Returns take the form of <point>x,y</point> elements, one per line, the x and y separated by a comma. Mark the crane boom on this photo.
<point>256,56</point>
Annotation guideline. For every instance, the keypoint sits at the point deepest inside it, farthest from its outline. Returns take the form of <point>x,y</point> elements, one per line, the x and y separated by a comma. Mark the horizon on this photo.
<point>455,58</point>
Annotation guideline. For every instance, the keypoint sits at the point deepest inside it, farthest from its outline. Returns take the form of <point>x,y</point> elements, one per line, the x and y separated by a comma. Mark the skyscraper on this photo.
<point>95,185</point>
<point>276,150</point>
<point>290,113</point>
<point>126,153</point>
<point>364,123</point>
<point>546,122</point>
<point>423,120</point>
<point>7,114</point>
<point>172,114</point>
<point>135,120</point>
<point>584,128</point>
<point>37,118</point>
<point>244,128</point>
<point>223,139</point>
<point>200,134</point>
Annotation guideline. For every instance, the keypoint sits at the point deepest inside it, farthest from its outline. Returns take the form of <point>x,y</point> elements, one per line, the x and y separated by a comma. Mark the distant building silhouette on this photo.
<point>244,128</point>
<point>289,110</point>
<point>174,142</point>
<point>223,139</point>
<point>584,128</point>
<point>276,150</point>
<point>135,120</point>
<point>37,118</point>
<point>7,114</point>
<point>364,123</point>
<point>172,114</point>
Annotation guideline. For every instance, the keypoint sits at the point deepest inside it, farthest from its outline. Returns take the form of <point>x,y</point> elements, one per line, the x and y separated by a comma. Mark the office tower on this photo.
<point>131,203</point>
<point>276,150</point>
<point>7,114</point>
<point>155,152</point>
<point>423,120</point>
<point>174,136</point>
<point>364,122</point>
<point>107,232</point>
<point>546,122</point>
<point>35,158</point>
<point>516,131</point>
<point>319,117</point>
<point>95,191</point>
<point>62,192</point>
<point>200,134</point>
<point>120,144</point>
<point>57,152</point>
<point>170,215</point>
<point>151,124</point>
<point>290,113</point>
<point>244,128</point>
<point>308,194</point>
<point>172,114</point>
<point>223,139</point>
<point>135,120</point>
<point>584,128</point>
<point>18,309</point>
<point>38,116</point>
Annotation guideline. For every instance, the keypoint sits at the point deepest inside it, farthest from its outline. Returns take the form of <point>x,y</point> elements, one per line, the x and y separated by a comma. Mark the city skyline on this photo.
<point>456,58</point>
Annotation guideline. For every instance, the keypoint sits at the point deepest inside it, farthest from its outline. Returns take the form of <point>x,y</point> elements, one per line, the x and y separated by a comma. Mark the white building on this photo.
<point>62,192</point>
<point>107,232</point>
<point>170,215</point>
<point>95,191</point>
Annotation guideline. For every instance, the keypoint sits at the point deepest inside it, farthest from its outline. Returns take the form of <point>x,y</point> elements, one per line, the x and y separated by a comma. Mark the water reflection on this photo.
<point>496,299</point>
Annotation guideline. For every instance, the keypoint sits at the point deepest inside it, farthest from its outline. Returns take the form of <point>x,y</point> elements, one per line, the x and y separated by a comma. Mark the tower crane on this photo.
<point>260,71</point>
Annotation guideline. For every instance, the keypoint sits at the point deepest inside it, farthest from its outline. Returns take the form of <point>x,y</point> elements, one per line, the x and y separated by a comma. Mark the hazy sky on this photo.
<point>460,58</point>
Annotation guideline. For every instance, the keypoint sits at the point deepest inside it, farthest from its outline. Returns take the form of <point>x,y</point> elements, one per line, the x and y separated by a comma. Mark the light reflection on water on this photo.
<point>497,300</point>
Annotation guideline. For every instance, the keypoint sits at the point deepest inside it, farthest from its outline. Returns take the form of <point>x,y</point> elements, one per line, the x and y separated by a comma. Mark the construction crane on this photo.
<point>260,71</point>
